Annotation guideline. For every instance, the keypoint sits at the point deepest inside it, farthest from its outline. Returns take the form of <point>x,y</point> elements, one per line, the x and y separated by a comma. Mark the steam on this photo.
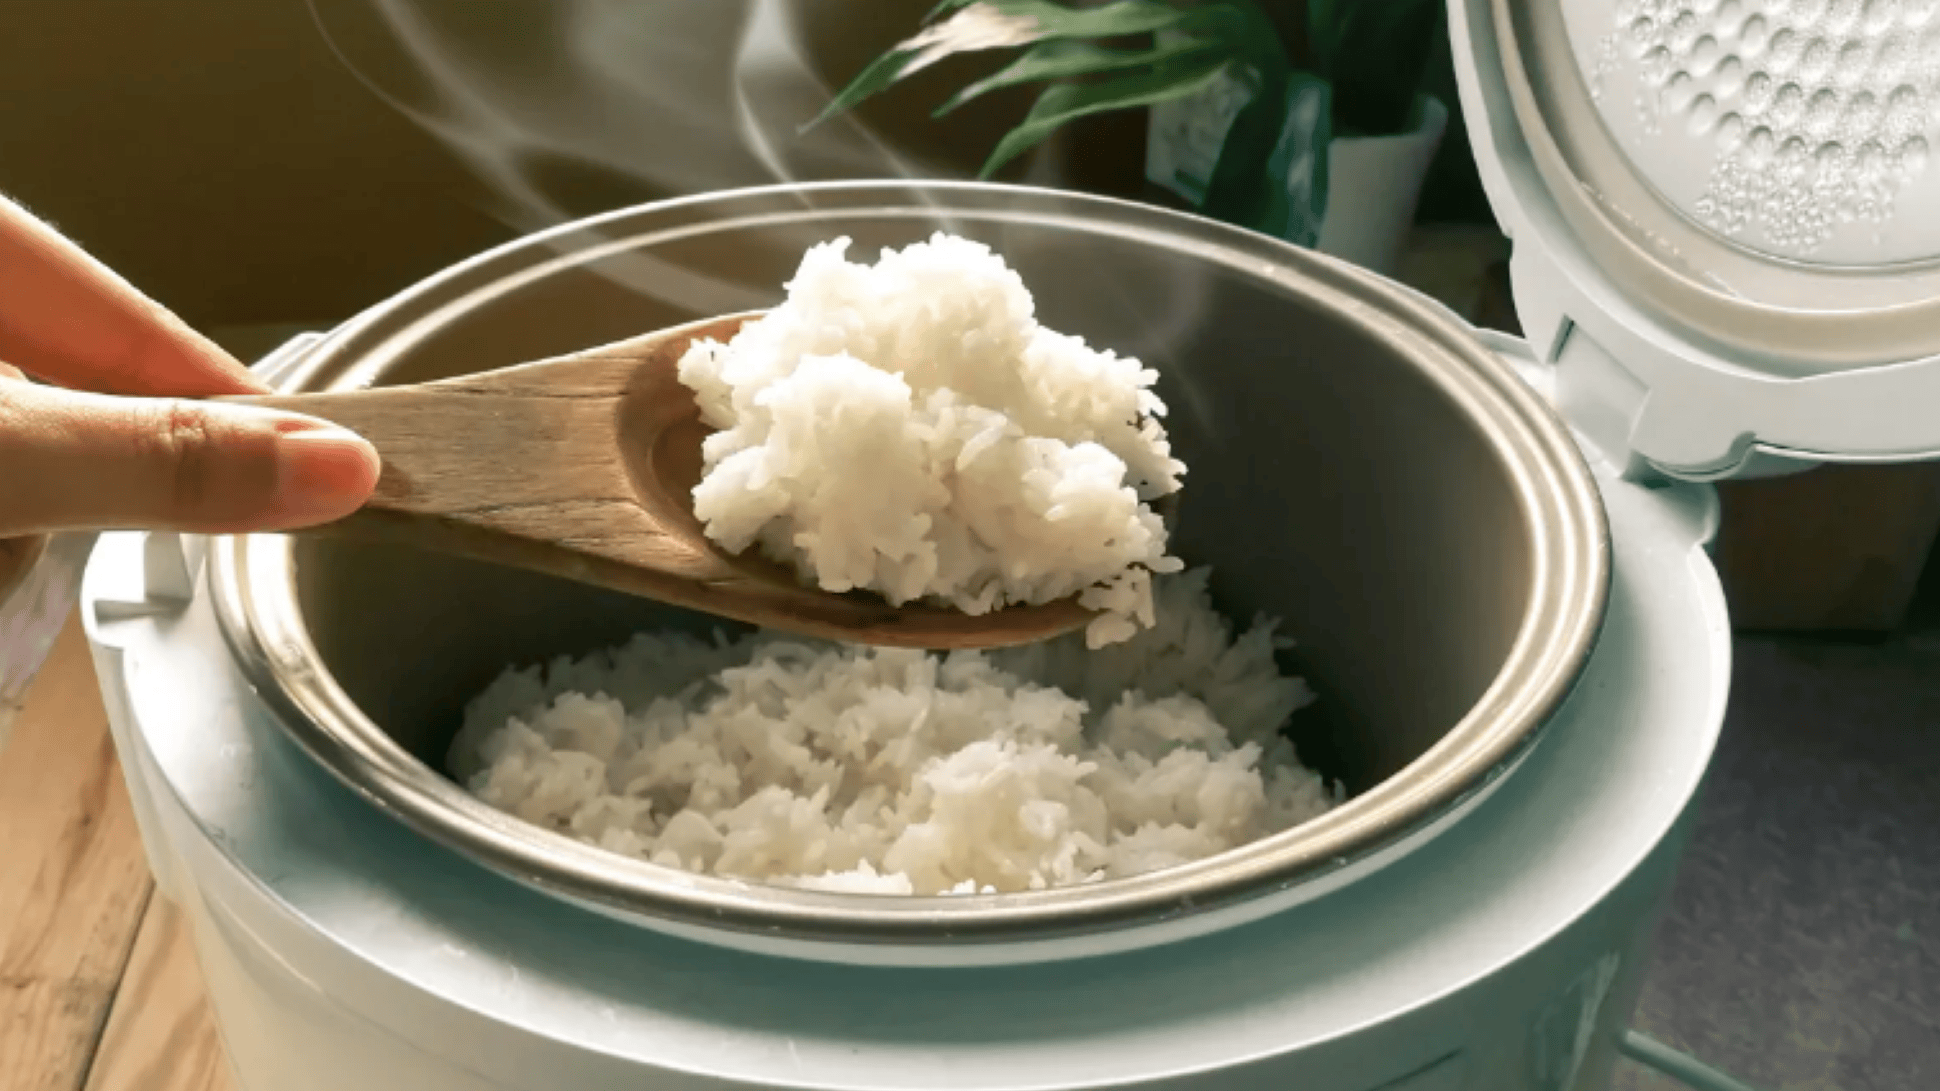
<point>635,92</point>
<point>566,108</point>
<point>572,107</point>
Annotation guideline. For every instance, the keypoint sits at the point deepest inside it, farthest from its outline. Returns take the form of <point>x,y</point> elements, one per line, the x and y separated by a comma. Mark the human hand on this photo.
<point>85,458</point>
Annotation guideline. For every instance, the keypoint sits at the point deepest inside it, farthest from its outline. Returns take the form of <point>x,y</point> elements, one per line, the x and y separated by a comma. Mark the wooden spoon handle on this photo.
<point>465,456</point>
<point>533,479</point>
<point>521,466</point>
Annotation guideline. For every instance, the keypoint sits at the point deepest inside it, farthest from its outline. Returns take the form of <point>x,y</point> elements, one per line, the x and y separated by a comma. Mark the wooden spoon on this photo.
<point>583,466</point>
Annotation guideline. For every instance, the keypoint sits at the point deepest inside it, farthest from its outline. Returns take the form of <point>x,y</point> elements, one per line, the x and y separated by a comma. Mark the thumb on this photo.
<point>72,461</point>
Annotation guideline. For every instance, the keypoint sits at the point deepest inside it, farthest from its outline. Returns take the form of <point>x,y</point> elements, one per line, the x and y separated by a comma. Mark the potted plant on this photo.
<point>1303,119</point>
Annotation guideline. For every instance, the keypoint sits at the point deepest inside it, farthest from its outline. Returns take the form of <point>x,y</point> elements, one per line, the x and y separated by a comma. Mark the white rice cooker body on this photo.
<point>342,950</point>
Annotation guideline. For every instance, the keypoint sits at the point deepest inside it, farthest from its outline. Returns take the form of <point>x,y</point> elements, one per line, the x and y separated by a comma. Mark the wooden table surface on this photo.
<point>99,990</point>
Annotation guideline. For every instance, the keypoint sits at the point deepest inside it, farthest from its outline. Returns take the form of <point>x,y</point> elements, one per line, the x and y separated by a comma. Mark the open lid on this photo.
<point>1725,216</point>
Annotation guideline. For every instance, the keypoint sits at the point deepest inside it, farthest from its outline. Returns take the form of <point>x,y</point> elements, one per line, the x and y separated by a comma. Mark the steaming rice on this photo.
<point>908,428</point>
<point>888,771</point>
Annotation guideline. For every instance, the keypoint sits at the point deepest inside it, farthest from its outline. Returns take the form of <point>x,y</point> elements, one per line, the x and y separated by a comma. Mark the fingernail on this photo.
<point>323,472</point>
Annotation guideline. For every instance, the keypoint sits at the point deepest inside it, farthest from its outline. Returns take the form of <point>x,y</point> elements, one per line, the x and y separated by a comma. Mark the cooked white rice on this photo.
<point>909,429</point>
<point>898,772</point>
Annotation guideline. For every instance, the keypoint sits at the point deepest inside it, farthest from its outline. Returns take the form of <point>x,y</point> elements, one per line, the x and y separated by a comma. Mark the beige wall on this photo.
<point>218,154</point>
<point>221,156</point>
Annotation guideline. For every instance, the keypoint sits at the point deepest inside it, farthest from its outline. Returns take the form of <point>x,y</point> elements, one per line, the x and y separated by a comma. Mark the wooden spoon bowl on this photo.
<point>583,466</point>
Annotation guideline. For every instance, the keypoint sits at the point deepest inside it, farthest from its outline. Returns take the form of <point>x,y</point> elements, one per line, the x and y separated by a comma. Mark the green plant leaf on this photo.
<point>1121,17</point>
<point>1233,194</point>
<point>880,73</point>
<point>938,40</point>
<point>1253,182</point>
<point>1063,103</point>
<point>1308,149</point>
<point>1064,58</point>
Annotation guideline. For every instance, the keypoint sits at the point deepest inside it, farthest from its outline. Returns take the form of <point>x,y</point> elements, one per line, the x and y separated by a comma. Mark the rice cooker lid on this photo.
<point>1726,219</point>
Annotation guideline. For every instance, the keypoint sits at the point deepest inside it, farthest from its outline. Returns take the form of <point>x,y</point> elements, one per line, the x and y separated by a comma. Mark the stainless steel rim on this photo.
<point>252,580</point>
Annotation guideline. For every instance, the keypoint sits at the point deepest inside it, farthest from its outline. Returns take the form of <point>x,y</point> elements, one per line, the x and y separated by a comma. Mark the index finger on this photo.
<point>68,319</point>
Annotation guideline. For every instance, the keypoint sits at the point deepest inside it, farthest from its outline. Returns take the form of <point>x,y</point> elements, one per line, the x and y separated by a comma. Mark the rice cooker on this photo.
<point>1491,550</point>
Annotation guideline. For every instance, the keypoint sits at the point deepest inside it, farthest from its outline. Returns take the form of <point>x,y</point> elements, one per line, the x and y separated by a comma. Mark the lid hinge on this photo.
<point>1602,400</point>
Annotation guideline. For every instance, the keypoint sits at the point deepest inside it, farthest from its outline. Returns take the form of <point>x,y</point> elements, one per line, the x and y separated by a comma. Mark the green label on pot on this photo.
<point>1296,172</point>
<point>1185,135</point>
<point>1189,140</point>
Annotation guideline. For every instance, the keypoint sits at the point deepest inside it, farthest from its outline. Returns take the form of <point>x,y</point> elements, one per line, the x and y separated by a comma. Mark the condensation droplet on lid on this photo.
<point>1704,114</point>
<point>1731,132</point>
<point>1788,106</point>
<point>1880,16</point>
<point>1784,53</point>
<point>1836,182</point>
<point>1855,57</point>
<point>1760,145</point>
<point>1844,15</point>
<point>1809,12</point>
<point>1895,165</point>
<point>1905,112</point>
<point>1684,32</point>
<point>1793,157</point>
<point>1758,92</point>
<point>1870,163</point>
<point>1889,64</point>
<point>1642,34</point>
<point>1815,63</point>
<point>1752,38</point>
<point>1913,157</point>
<point>1863,115</point>
<point>1731,14</point>
<point>1705,55</point>
<point>1679,93</point>
<point>1729,79</point>
<point>1822,113</point>
<point>1656,67</point>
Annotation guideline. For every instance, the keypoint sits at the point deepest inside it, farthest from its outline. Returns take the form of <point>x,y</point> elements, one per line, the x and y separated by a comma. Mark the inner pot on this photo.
<point>1359,466</point>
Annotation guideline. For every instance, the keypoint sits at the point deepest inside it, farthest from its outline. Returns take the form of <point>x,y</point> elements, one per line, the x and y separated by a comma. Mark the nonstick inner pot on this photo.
<point>1330,484</point>
<point>1359,468</point>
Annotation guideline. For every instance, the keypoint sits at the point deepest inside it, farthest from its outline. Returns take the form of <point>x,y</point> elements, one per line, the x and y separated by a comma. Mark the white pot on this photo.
<point>1373,186</point>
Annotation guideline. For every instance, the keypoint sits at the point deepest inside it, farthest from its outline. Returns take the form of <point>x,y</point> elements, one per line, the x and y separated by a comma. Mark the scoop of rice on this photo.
<point>909,429</point>
<point>899,772</point>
